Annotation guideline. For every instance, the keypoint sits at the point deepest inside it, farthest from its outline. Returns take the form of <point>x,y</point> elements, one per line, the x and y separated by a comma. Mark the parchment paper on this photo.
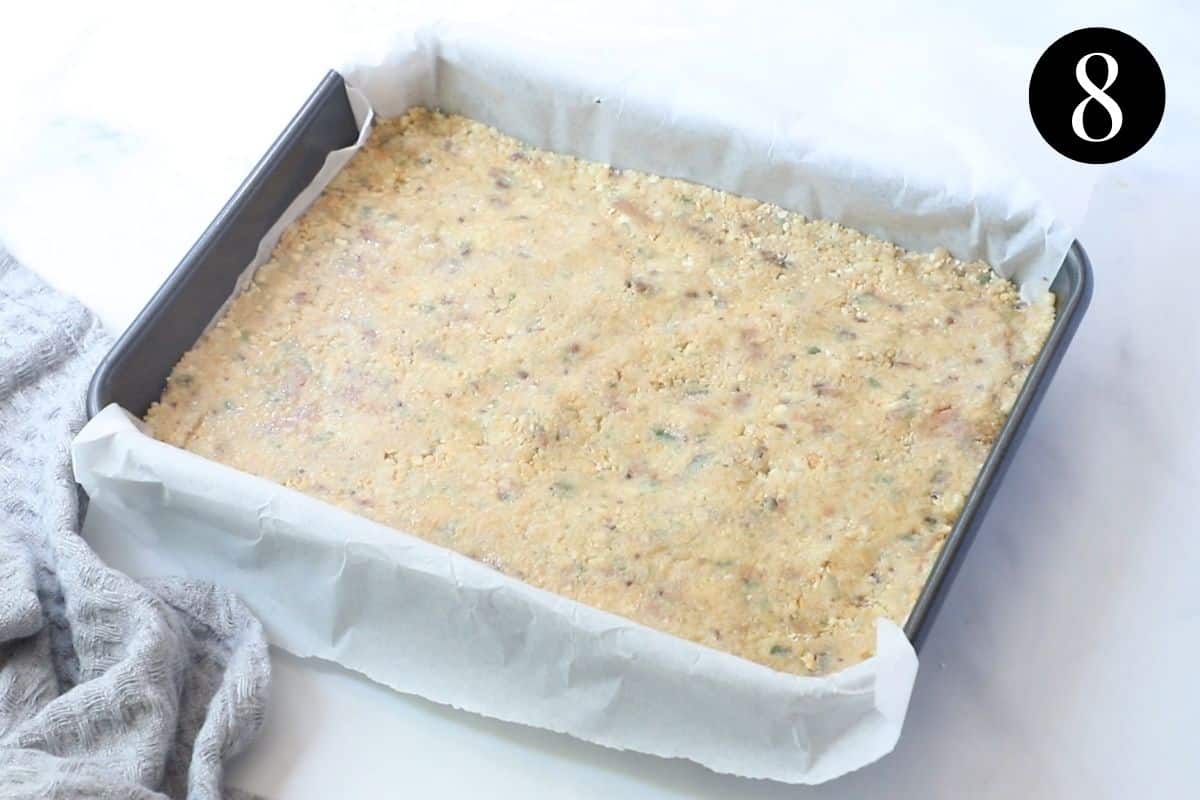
<point>423,620</point>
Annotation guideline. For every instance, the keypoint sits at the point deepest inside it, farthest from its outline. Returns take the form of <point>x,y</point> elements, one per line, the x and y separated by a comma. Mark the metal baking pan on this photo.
<point>135,372</point>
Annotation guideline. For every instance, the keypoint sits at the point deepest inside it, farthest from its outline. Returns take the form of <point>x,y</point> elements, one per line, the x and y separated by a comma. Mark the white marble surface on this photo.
<point>1063,662</point>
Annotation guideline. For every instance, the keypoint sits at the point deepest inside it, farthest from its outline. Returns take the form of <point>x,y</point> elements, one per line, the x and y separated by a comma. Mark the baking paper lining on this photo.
<point>426,621</point>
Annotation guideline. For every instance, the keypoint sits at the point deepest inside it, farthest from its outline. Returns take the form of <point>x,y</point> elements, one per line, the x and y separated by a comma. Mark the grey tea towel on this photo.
<point>109,688</point>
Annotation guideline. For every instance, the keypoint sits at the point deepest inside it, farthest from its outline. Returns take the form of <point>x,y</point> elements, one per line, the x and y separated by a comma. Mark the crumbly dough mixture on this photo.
<point>699,411</point>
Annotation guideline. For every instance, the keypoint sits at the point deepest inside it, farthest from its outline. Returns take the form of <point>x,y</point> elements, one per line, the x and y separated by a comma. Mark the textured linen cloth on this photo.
<point>109,688</point>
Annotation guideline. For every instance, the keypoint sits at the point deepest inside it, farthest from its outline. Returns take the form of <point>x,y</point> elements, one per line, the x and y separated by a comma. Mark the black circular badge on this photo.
<point>1097,95</point>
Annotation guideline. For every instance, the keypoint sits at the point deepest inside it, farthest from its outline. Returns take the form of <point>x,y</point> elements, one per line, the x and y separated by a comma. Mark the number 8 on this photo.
<point>1096,93</point>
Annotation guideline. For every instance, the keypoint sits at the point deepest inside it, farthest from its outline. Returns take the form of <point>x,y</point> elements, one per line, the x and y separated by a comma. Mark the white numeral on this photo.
<point>1096,93</point>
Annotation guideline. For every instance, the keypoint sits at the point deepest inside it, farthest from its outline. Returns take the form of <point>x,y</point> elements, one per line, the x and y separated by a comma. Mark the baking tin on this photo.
<point>135,371</point>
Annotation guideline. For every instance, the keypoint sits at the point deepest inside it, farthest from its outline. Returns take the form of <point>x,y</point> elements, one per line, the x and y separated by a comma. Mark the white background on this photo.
<point>1063,663</point>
